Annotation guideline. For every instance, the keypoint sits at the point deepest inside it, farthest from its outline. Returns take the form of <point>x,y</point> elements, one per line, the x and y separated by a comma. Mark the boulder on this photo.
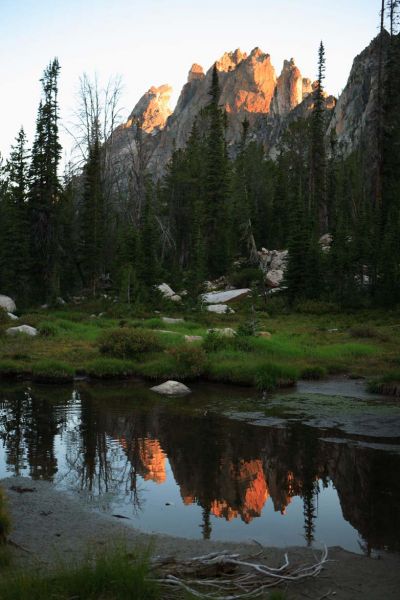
<point>274,278</point>
<point>176,298</point>
<point>193,338</point>
<point>165,290</point>
<point>170,320</point>
<point>7,303</point>
<point>221,309</point>
<point>171,388</point>
<point>226,296</point>
<point>326,242</point>
<point>12,317</point>
<point>25,329</point>
<point>264,334</point>
<point>224,332</point>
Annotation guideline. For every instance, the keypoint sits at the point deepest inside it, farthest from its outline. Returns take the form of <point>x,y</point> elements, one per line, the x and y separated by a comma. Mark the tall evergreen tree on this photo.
<point>15,256</point>
<point>317,199</point>
<point>44,190</point>
<point>217,214</point>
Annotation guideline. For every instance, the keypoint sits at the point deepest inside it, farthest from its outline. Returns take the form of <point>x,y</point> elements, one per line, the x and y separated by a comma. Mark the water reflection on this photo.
<point>112,443</point>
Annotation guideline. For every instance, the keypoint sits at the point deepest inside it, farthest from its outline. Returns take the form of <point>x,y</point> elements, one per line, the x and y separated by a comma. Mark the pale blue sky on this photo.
<point>151,42</point>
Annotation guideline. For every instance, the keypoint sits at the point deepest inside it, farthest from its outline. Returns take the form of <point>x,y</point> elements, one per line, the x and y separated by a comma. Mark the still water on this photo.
<point>193,468</point>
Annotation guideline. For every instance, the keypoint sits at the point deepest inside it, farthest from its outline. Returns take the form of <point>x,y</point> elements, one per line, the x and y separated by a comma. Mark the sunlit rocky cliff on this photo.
<point>251,88</point>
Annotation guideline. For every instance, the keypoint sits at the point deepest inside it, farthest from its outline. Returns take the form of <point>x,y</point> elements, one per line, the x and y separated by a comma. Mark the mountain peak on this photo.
<point>153,109</point>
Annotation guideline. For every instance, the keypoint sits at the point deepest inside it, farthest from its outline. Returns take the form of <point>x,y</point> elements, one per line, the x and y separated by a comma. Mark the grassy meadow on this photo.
<point>104,341</point>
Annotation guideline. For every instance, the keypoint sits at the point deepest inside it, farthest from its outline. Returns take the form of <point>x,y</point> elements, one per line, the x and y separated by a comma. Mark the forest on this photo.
<point>84,233</point>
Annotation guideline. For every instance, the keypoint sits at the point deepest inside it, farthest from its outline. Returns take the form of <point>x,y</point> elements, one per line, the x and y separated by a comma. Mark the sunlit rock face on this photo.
<point>152,110</point>
<point>291,89</point>
<point>252,90</point>
<point>249,89</point>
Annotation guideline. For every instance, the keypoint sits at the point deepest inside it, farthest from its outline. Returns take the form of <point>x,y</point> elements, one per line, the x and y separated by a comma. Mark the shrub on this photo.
<point>4,318</point>
<point>9,368</point>
<point>365,331</point>
<point>271,376</point>
<point>313,372</point>
<point>316,307</point>
<point>249,327</point>
<point>128,342</point>
<point>108,368</point>
<point>52,371</point>
<point>48,329</point>
<point>190,360</point>
<point>214,342</point>
<point>246,277</point>
<point>388,385</point>
<point>277,305</point>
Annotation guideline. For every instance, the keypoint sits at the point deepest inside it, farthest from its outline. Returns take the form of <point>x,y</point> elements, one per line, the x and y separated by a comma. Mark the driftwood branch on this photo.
<point>227,576</point>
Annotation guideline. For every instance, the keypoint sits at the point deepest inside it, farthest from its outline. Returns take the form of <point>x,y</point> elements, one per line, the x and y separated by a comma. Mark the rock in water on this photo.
<point>25,329</point>
<point>7,303</point>
<point>171,388</point>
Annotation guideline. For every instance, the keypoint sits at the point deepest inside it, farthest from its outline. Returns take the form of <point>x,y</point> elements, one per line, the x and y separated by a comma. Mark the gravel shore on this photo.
<point>51,526</point>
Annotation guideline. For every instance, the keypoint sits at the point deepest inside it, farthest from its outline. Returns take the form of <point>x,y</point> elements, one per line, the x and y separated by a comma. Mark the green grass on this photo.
<point>314,345</point>
<point>52,371</point>
<point>388,384</point>
<point>10,369</point>
<point>115,575</point>
<point>109,368</point>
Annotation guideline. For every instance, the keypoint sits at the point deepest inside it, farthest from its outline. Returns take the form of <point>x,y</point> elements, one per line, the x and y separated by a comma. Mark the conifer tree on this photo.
<point>217,217</point>
<point>93,216</point>
<point>15,256</point>
<point>44,190</point>
<point>317,200</point>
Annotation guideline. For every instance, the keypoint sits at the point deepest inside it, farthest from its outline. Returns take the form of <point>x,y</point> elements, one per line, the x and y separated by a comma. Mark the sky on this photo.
<point>152,42</point>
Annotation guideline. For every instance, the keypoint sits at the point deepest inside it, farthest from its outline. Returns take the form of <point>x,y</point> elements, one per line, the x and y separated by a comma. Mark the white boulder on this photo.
<point>7,303</point>
<point>171,388</point>
<point>193,338</point>
<point>166,290</point>
<point>12,317</point>
<point>227,296</point>
<point>171,320</point>
<point>25,329</point>
<point>176,298</point>
<point>274,278</point>
<point>224,332</point>
<point>221,309</point>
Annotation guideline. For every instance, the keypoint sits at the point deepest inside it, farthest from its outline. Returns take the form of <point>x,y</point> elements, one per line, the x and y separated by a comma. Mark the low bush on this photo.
<point>269,377</point>
<point>10,369</point>
<point>52,371</point>
<point>128,342</point>
<point>214,342</point>
<point>48,329</point>
<point>190,360</point>
<point>108,368</point>
<point>249,328</point>
<point>316,307</point>
<point>313,372</point>
<point>245,277</point>
<point>367,332</point>
<point>4,318</point>
<point>389,384</point>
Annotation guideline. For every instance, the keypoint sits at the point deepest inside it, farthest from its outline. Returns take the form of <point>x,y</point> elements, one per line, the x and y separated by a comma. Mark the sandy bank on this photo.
<point>49,525</point>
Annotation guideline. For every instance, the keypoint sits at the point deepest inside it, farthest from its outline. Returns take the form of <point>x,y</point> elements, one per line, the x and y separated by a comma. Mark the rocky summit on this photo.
<point>252,89</point>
